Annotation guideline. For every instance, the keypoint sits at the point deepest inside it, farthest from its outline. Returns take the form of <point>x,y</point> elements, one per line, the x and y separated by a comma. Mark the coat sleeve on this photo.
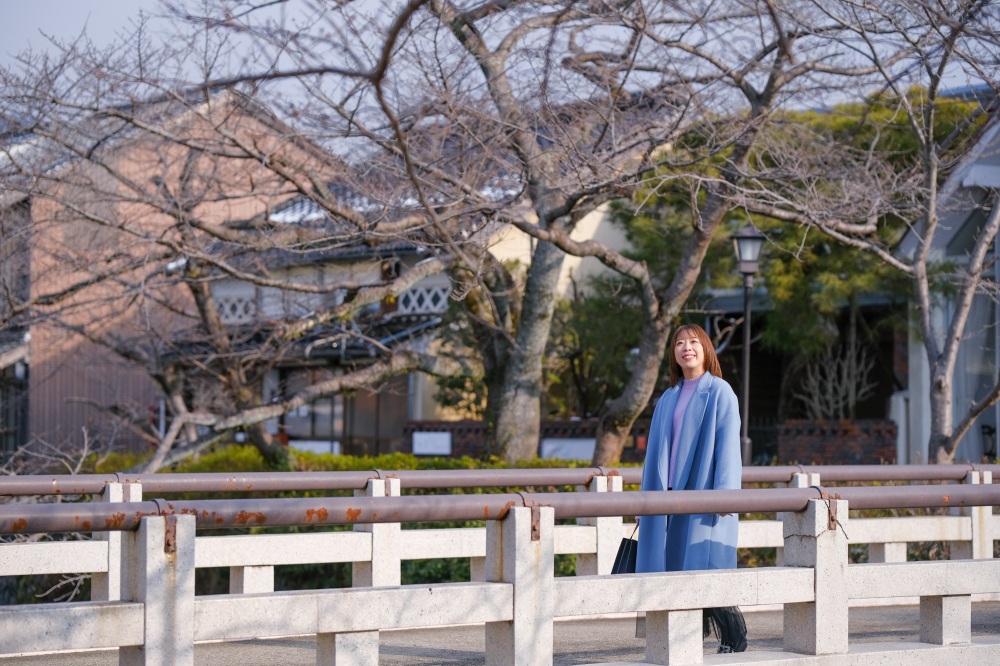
<point>653,529</point>
<point>655,454</point>
<point>728,457</point>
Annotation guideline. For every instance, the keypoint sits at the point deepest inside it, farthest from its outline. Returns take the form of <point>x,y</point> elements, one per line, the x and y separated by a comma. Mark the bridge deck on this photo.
<point>608,642</point>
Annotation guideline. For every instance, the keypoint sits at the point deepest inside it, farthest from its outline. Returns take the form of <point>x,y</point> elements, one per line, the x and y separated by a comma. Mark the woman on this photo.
<point>694,444</point>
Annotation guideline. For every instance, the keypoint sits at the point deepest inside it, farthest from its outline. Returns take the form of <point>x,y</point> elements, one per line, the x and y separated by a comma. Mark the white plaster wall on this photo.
<point>511,244</point>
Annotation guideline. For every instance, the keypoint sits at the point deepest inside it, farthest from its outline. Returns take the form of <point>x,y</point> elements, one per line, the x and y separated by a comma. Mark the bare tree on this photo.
<point>452,119</point>
<point>835,381</point>
<point>562,106</point>
<point>862,198</point>
<point>140,204</point>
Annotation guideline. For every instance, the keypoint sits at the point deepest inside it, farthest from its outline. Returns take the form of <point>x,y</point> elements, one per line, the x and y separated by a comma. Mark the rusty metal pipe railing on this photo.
<point>867,473</point>
<point>329,511</point>
<point>75,517</point>
<point>86,484</point>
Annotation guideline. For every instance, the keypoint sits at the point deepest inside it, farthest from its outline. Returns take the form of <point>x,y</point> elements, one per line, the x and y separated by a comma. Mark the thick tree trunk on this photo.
<point>518,404</point>
<point>621,413</point>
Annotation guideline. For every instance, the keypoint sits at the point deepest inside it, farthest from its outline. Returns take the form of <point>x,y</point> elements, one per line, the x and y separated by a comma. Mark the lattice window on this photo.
<point>422,300</point>
<point>236,309</point>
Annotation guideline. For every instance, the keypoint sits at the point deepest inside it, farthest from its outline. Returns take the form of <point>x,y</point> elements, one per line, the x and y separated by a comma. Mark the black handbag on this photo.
<point>627,550</point>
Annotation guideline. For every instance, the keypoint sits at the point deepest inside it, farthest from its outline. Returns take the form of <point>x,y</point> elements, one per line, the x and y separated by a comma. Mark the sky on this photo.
<point>24,22</point>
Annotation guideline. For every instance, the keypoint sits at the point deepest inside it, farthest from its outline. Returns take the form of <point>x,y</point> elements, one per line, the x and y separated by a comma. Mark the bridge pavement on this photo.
<point>605,641</point>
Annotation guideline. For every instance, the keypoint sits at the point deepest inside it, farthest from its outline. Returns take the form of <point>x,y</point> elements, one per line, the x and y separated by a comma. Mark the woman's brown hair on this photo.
<point>711,359</point>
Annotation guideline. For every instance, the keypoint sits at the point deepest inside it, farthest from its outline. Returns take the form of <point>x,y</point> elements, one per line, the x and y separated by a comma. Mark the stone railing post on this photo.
<point>383,568</point>
<point>674,637</point>
<point>817,538</point>
<point>107,586</point>
<point>798,480</point>
<point>946,620</point>
<point>159,571</point>
<point>251,580</point>
<point>981,545</point>
<point>477,569</point>
<point>609,532</point>
<point>887,552</point>
<point>519,550</point>
<point>360,648</point>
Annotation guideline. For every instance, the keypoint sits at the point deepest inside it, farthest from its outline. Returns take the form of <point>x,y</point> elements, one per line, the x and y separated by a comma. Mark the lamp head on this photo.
<point>747,244</point>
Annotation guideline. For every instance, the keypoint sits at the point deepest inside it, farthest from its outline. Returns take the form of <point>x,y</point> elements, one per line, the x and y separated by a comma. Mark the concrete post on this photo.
<point>981,546</point>
<point>804,480</point>
<point>816,538</point>
<point>674,637</point>
<point>108,586</point>
<point>887,552</point>
<point>347,649</point>
<point>798,480</point>
<point>477,569</point>
<point>519,550</point>
<point>946,620</point>
<point>609,532</point>
<point>251,580</point>
<point>159,572</point>
<point>382,570</point>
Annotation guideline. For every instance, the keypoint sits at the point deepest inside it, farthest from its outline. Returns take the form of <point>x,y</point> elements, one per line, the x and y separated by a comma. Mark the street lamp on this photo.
<point>747,244</point>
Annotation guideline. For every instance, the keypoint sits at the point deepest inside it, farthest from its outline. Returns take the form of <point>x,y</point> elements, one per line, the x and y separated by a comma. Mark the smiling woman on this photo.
<point>694,444</point>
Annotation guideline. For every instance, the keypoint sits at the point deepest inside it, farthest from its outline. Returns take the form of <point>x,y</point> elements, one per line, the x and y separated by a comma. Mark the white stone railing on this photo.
<point>144,600</point>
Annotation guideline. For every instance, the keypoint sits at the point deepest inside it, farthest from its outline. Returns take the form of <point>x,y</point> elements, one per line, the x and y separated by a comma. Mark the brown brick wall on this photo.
<point>857,442</point>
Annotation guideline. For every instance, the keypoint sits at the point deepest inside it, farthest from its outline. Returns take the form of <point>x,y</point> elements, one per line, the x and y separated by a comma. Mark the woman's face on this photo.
<point>689,354</point>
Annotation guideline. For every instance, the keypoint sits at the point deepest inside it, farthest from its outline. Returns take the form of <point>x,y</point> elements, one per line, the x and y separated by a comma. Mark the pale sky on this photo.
<point>24,21</point>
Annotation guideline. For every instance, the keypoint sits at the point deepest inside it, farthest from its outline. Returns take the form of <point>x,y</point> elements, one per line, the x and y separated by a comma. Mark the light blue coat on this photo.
<point>708,457</point>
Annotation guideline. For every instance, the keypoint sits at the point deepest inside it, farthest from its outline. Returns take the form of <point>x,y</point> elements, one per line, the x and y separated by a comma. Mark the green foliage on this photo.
<point>585,359</point>
<point>588,355</point>
<point>657,223</point>
<point>233,458</point>
<point>115,461</point>
<point>466,394</point>
<point>452,569</point>
<point>476,331</point>
<point>810,278</point>
<point>881,126</point>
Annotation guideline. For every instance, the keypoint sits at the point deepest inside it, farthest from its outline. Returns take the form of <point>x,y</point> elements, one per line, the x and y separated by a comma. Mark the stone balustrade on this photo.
<point>144,602</point>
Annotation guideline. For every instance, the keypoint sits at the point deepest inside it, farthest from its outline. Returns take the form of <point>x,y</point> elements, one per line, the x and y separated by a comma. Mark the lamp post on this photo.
<point>747,244</point>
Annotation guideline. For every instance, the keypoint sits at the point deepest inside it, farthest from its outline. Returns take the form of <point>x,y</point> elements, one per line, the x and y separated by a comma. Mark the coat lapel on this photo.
<point>666,423</point>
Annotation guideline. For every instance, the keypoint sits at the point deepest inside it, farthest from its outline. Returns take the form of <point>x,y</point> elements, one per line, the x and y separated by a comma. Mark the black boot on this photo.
<point>729,626</point>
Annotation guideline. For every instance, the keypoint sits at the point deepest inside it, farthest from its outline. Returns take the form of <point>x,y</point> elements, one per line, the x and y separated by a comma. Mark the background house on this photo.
<point>971,184</point>
<point>363,421</point>
<point>380,421</point>
<point>92,363</point>
<point>92,209</point>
